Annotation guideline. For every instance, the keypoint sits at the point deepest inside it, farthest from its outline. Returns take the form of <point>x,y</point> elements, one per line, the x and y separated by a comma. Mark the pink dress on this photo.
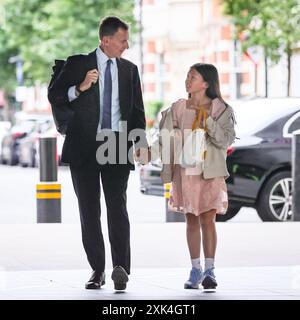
<point>192,193</point>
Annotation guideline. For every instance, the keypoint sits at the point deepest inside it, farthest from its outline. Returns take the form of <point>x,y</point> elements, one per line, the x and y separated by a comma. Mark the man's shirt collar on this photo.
<point>102,57</point>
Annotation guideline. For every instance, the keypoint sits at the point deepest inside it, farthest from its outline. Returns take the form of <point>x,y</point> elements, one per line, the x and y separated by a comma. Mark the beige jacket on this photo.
<point>220,135</point>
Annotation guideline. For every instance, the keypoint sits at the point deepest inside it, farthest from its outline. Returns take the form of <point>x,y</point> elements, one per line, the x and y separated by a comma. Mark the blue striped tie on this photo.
<point>106,121</point>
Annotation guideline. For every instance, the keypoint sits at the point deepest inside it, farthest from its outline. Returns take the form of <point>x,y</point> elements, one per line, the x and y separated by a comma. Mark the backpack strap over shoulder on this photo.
<point>56,68</point>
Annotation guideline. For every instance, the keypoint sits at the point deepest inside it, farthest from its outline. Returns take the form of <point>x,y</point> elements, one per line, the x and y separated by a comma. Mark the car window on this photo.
<point>250,121</point>
<point>254,116</point>
<point>275,129</point>
<point>293,124</point>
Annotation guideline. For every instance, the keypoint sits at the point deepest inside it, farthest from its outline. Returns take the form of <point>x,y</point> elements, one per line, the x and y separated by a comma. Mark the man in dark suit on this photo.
<point>104,92</point>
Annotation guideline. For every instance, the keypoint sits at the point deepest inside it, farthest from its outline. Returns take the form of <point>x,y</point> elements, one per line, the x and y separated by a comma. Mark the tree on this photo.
<point>286,22</point>
<point>7,70</point>
<point>271,24</point>
<point>250,29</point>
<point>44,30</point>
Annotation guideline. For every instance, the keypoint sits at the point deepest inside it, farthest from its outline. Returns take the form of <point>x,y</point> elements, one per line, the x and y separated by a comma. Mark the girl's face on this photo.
<point>194,82</point>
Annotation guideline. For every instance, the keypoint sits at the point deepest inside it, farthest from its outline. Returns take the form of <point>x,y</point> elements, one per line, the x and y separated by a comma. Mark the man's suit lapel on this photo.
<point>123,79</point>
<point>92,64</point>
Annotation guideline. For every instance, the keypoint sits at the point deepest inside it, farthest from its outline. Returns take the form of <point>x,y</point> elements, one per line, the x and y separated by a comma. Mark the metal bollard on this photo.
<point>171,216</point>
<point>296,175</point>
<point>48,191</point>
<point>48,165</point>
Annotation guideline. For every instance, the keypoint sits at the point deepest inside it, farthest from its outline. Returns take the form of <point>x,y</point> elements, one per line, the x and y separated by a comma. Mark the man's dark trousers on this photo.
<point>86,182</point>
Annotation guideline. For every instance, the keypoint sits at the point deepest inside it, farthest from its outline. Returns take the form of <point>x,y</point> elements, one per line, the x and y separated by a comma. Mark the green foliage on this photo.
<point>286,23</point>
<point>44,30</point>
<point>241,13</point>
<point>7,70</point>
<point>151,110</point>
<point>272,24</point>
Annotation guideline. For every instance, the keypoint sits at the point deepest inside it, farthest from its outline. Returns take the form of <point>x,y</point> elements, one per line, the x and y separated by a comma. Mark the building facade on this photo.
<point>178,33</point>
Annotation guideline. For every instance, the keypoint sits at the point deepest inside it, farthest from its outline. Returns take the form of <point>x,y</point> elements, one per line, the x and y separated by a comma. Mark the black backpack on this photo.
<point>62,114</point>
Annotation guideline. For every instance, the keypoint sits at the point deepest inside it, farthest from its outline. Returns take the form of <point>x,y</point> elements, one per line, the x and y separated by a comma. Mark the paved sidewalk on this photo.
<point>153,284</point>
<point>254,261</point>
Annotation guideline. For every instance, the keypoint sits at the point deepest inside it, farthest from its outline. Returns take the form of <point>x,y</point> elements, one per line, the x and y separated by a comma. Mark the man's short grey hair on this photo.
<point>110,25</point>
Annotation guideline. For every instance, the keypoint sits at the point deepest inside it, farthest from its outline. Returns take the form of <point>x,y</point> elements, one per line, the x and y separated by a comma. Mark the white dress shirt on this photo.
<point>115,104</point>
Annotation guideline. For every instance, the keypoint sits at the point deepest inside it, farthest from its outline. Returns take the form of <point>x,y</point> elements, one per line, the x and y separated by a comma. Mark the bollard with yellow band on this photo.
<point>48,191</point>
<point>167,188</point>
<point>171,216</point>
<point>48,197</point>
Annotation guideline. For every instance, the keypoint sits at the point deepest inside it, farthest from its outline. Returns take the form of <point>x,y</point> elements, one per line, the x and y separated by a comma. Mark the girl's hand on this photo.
<point>217,108</point>
<point>143,156</point>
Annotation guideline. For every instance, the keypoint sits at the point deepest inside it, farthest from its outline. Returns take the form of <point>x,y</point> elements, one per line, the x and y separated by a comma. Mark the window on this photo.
<point>291,125</point>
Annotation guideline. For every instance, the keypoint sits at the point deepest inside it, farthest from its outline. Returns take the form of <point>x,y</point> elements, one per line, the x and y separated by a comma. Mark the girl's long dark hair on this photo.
<point>210,75</point>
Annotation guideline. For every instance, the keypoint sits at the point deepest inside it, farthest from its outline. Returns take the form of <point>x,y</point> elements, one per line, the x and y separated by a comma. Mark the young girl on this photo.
<point>201,196</point>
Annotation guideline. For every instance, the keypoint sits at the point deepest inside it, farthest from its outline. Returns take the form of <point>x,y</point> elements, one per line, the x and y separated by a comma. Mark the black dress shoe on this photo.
<point>119,277</point>
<point>96,281</point>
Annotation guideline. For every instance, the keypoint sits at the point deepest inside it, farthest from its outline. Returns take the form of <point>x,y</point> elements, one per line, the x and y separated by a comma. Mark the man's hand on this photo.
<point>143,156</point>
<point>90,78</point>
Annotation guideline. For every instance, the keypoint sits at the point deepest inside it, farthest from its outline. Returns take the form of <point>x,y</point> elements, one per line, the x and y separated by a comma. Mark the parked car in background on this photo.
<point>259,161</point>
<point>150,181</point>
<point>4,127</point>
<point>10,142</point>
<point>28,145</point>
<point>51,132</point>
<point>25,125</point>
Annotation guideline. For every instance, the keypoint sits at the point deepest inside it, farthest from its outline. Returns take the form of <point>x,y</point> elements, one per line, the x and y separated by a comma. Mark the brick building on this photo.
<point>178,33</point>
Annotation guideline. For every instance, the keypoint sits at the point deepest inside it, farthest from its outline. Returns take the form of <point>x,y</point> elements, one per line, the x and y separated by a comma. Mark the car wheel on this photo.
<point>24,165</point>
<point>2,160</point>
<point>275,201</point>
<point>232,211</point>
<point>33,157</point>
<point>12,160</point>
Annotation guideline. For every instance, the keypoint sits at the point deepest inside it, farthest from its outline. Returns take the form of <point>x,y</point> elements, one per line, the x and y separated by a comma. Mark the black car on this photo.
<point>259,162</point>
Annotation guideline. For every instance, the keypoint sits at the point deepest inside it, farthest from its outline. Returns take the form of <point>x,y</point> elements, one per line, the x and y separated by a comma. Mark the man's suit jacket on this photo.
<point>80,142</point>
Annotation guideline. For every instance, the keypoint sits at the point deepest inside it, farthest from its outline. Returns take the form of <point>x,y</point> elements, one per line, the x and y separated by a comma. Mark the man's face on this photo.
<point>114,46</point>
